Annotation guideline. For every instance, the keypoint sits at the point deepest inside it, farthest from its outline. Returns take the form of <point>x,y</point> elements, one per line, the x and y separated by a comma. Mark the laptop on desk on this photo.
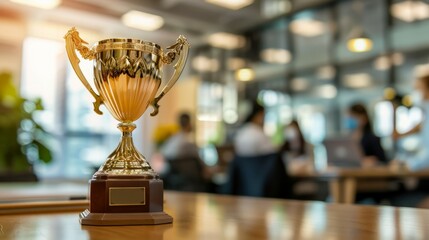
<point>343,152</point>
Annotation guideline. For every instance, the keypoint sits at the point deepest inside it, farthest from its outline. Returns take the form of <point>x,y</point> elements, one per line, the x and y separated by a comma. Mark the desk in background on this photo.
<point>343,181</point>
<point>43,191</point>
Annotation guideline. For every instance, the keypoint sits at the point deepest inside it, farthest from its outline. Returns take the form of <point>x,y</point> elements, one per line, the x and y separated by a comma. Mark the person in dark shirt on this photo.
<point>359,123</point>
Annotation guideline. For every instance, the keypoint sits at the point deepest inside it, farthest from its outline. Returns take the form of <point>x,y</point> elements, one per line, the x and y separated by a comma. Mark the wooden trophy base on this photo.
<point>125,200</point>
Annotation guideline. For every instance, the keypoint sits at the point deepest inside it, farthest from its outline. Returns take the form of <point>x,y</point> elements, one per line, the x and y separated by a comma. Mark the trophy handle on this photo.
<point>180,48</point>
<point>73,43</point>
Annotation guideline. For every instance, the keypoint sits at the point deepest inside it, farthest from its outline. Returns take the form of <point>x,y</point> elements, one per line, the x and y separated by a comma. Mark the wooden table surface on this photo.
<point>205,216</point>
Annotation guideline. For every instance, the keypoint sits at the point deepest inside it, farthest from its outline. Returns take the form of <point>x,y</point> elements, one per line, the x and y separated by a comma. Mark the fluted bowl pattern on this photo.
<point>127,81</point>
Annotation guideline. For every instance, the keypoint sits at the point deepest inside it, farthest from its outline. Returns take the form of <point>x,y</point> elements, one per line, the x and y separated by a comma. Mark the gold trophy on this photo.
<point>127,74</point>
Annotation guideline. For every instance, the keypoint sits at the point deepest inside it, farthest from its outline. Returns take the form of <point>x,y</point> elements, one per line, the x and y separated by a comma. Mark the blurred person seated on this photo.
<point>360,127</point>
<point>186,169</point>
<point>297,153</point>
<point>298,157</point>
<point>181,144</point>
<point>251,139</point>
<point>258,176</point>
<point>257,168</point>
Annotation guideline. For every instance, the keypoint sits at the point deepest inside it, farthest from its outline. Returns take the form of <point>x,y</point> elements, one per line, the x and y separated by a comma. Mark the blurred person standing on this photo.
<point>416,196</point>
<point>420,98</point>
<point>359,123</point>
<point>251,139</point>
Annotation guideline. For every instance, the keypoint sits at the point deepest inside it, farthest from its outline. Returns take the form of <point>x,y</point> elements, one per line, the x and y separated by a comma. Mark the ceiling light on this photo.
<point>236,63</point>
<point>326,72</point>
<point>409,11</point>
<point>231,4</point>
<point>326,91</point>
<point>245,74</point>
<point>44,4</point>
<point>358,41</point>
<point>360,44</point>
<point>403,11</point>
<point>307,27</point>
<point>205,64</point>
<point>421,10</point>
<point>299,84</point>
<point>226,40</point>
<point>382,63</point>
<point>276,55</point>
<point>421,70</point>
<point>385,62</point>
<point>143,21</point>
<point>357,80</point>
<point>398,59</point>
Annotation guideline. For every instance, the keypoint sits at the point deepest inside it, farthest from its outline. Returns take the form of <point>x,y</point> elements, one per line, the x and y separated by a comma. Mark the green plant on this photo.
<point>22,139</point>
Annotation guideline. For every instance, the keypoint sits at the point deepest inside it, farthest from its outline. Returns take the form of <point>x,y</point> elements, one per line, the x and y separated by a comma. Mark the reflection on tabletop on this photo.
<point>206,216</point>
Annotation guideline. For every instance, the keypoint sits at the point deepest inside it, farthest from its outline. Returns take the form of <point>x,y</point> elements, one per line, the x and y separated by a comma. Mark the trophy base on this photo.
<point>125,200</point>
<point>118,219</point>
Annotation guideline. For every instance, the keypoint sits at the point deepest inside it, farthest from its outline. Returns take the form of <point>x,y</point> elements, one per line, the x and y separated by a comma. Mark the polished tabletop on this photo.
<point>206,216</point>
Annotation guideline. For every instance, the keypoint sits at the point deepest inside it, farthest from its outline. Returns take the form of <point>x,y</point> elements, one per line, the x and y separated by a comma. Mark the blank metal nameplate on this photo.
<point>127,196</point>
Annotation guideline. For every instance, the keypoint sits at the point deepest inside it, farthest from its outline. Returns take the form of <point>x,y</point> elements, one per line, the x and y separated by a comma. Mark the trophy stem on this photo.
<point>125,159</point>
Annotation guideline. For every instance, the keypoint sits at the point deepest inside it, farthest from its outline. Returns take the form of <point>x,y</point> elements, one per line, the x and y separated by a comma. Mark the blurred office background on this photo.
<point>297,57</point>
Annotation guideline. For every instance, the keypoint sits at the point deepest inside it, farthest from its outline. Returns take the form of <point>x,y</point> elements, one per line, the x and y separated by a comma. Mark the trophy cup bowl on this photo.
<point>127,75</point>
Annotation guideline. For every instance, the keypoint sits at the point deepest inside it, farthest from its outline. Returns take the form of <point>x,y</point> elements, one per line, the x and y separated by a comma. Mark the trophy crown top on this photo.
<point>128,44</point>
<point>128,40</point>
<point>127,60</point>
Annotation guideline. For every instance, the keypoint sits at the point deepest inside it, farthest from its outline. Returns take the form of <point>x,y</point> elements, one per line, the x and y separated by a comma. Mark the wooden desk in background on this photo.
<point>343,181</point>
<point>43,191</point>
<point>205,216</point>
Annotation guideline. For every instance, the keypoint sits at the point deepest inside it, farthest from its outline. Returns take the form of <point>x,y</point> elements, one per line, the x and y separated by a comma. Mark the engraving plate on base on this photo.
<point>127,196</point>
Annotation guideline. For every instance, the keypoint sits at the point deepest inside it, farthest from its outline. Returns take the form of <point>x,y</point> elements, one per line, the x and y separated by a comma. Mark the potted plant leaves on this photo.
<point>22,139</point>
